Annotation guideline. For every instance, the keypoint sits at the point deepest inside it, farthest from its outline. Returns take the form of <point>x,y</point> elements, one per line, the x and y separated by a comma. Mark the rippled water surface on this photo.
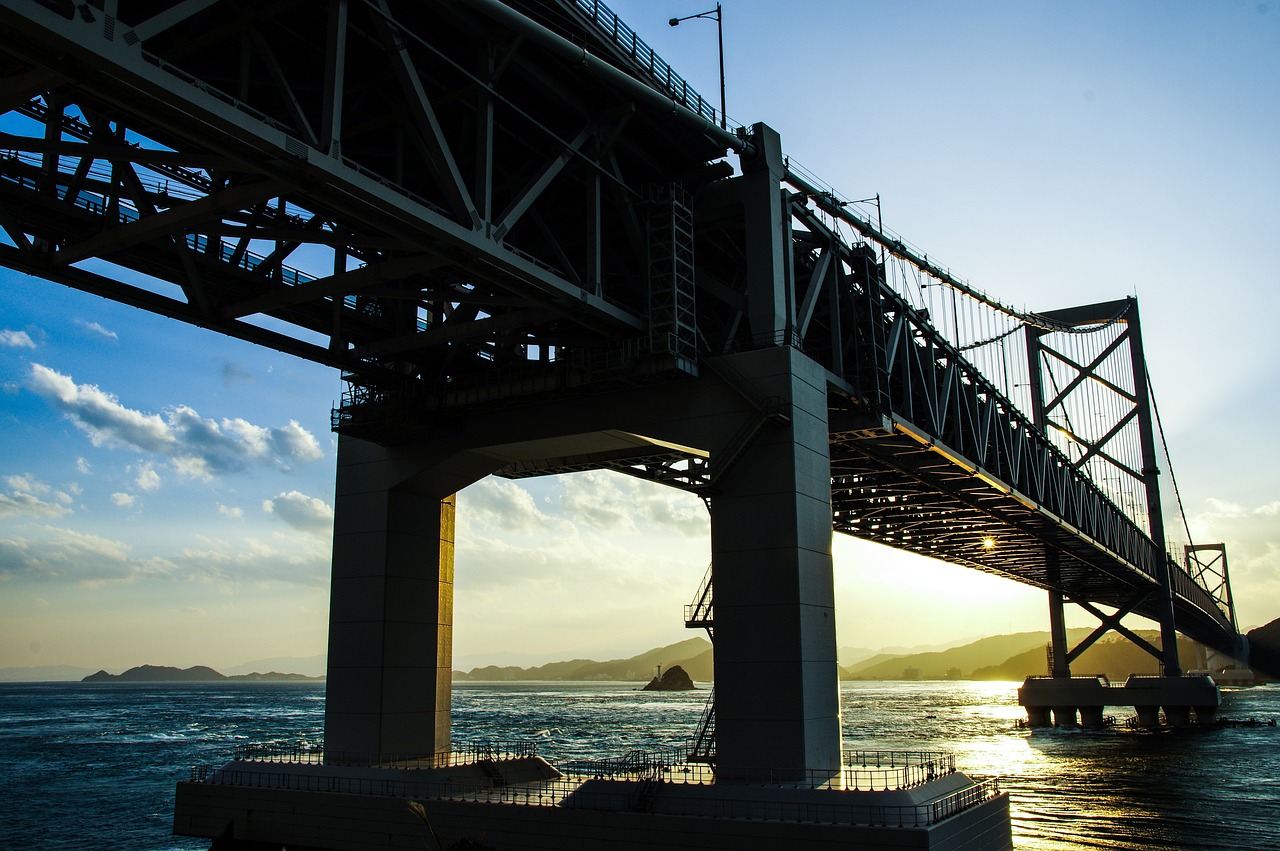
<point>94,765</point>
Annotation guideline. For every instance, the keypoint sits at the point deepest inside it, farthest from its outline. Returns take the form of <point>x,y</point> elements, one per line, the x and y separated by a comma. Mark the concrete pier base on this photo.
<point>525,805</point>
<point>1061,698</point>
<point>1179,697</point>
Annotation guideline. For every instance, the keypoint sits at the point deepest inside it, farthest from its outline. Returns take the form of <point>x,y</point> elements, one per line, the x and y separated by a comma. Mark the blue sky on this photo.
<point>165,492</point>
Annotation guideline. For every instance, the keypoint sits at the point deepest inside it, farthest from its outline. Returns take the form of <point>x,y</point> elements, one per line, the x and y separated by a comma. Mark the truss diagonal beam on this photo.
<point>174,220</point>
<point>440,159</point>
<point>1112,622</point>
<point>170,18</point>
<point>342,283</point>
<point>535,187</point>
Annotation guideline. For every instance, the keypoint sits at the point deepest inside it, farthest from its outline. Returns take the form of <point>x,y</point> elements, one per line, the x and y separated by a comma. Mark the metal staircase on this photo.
<point>703,747</point>
<point>700,614</point>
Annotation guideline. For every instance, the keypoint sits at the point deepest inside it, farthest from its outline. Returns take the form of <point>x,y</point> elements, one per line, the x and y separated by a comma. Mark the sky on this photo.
<point>166,493</point>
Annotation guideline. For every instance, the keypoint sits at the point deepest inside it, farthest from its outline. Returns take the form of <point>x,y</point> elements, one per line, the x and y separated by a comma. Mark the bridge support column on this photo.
<point>391,606</point>
<point>777,689</point>
<point>1060,666</point>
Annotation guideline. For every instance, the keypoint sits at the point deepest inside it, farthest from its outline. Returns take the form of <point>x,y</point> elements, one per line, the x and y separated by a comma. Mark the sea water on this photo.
<point>95,765</point>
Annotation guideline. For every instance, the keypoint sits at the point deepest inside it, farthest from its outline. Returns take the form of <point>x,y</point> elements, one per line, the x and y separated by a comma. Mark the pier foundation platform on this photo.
<point>525,804</point>
<point>1068,701</point>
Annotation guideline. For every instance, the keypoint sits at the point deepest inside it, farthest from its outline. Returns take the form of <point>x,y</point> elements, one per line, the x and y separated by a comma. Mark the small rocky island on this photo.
<point>675,679</point>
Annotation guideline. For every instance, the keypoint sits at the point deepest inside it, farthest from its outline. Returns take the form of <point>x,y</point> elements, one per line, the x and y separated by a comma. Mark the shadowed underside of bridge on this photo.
<point>481,212</point>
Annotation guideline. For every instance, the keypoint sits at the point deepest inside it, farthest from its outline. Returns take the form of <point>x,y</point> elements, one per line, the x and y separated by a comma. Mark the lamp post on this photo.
<point>712,13</point>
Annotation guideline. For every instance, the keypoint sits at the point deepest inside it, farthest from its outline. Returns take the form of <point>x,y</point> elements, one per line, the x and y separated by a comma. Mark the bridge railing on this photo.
<point>617,784</point>
<point>625,39</point>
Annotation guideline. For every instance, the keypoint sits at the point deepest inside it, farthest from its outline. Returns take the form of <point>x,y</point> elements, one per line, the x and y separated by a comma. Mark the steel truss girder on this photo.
<point>923,391</point>
<point>122,74</point>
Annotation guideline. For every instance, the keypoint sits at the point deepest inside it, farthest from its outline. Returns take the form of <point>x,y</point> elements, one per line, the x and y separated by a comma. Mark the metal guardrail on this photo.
<point>607,23</point>
<point>861,771</point>
<point>579,792</point>
<point>462,753</point>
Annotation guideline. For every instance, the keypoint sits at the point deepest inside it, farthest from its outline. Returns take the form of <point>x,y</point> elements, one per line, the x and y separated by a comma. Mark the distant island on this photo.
<point>194,674</point>
<point>672,679</point>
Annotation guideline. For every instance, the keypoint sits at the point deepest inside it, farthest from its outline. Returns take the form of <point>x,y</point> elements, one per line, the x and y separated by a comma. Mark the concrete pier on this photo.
<point>524,804</point>
<point>1068,701</point>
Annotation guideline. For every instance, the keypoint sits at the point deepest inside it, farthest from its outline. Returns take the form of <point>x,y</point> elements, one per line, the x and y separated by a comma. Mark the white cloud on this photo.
<point>64,554</point>
<point>95,328</point>
<point>83,465</point>
<point>1252,538</point>
<point>57,554</point>
<point>147,479</point>
<point>619,504</point>
<point>196,447</point>
<point>589,535</point>
<point>302,512</point>
<point>494,504</point>
<point>230,511</point>
<point>122,500</point>
<point>31,497</point>
<point>16,339</point>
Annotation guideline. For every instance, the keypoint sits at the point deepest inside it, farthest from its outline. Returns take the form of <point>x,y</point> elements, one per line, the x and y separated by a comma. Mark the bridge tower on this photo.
<point>1123,453</point>
<point>1099,443</point>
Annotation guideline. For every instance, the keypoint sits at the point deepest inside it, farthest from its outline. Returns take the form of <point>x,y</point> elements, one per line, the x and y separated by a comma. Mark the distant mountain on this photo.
<point>195,674</point>
<point>1015,657</point>
<point>852,656</point>
<point>1114,657</point>
<point>694,655</point>
<point>43,674</point>
<point>939,664</point>
<point>312,666</point>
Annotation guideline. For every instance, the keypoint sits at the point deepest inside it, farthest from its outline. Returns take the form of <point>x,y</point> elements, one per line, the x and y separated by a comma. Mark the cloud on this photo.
<point>16,339</point>
<point>619,504</point>
<point>30,497</point>
<point>196,447</point>
<point>1252,538</point>
<point>303,561</point>
<point>599,533</point>
<point>59,553</point>
<point>83,465</point>
<point>302,512</point>
<point>147,479</point>
<point>230,511</point>
<point>122,500</point>
<point>95,328</point>
<point>495,504</point>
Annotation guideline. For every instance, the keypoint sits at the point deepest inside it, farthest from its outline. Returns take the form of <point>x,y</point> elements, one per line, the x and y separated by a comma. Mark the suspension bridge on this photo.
<point>532,248</point>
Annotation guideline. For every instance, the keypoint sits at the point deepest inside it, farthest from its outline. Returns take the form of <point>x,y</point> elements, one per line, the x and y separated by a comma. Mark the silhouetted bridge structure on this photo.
<point>516,232</point>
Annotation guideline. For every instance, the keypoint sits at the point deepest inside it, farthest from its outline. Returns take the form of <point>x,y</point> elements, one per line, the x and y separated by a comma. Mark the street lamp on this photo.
<point>712,13</point>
